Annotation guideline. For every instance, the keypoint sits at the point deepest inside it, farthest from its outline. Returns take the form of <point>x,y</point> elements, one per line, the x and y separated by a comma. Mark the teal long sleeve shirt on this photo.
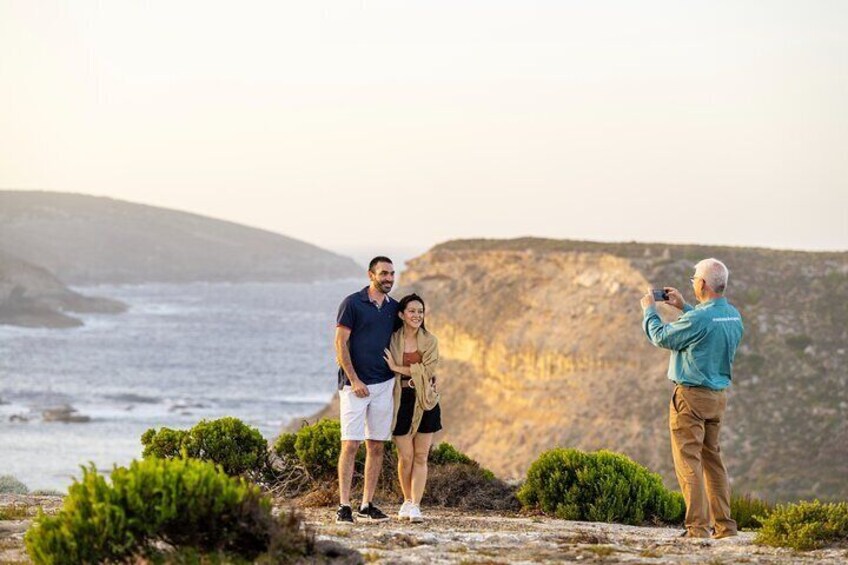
<point>702,341</point>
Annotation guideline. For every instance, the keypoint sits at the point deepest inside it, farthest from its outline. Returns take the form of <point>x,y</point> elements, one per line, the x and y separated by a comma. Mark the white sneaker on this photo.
<point>404,509</point>
<point>415,515</point>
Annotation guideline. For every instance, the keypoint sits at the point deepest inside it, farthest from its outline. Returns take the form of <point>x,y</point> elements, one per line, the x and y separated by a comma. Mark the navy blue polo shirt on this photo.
<point>370,332</point>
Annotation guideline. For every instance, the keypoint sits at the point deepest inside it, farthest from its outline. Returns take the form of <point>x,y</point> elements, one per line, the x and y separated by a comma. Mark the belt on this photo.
<point>406,382</point>
<point>700,387</point>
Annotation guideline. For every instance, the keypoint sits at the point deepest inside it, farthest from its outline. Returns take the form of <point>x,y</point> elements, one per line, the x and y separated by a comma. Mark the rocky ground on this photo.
<point>450,536</point>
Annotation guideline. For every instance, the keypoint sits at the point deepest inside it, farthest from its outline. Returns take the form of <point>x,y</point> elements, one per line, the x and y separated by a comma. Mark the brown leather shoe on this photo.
<point>688,534</point>
<point>723,535</point>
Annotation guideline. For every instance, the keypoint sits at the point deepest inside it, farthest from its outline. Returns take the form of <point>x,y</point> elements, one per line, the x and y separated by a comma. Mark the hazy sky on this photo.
<point>371,126</point>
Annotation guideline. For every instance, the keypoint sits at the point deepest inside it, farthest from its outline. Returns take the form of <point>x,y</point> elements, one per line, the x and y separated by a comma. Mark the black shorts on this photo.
<point>431,420</point>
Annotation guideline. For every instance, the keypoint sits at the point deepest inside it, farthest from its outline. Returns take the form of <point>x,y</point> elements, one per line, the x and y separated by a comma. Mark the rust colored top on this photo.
<point>410,359</point>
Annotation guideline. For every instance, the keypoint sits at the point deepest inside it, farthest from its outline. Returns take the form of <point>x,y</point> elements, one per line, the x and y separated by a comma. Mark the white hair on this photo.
<point>714,273</point>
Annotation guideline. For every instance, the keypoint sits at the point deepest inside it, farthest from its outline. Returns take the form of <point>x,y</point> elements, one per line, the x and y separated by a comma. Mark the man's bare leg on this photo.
<point>373,465</point>
<point>347,458</point>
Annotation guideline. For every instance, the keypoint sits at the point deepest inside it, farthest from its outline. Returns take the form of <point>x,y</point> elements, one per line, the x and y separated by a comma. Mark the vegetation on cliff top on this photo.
<point>183,503</point>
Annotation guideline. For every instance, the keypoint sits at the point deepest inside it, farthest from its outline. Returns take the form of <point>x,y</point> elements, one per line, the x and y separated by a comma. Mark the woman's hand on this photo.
<point>389,361</point>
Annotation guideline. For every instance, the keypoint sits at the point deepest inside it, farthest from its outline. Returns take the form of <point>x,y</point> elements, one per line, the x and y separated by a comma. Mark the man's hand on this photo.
<point>648,300</point>
<point>359,388</point>
<point>675,298</point>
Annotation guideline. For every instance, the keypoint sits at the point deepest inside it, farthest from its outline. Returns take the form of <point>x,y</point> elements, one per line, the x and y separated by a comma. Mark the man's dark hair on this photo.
<point>404,302</point>
<point>378,259</point>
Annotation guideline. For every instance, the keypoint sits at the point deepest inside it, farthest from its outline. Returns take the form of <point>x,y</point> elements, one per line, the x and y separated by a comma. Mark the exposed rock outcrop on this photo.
<point>31,296</point>
<point>543,347</point>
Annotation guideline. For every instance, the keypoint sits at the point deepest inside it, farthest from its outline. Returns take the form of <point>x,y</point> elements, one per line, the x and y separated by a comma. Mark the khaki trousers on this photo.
<point>695,420</point>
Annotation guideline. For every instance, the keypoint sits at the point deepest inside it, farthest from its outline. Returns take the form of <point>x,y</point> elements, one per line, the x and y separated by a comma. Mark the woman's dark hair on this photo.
<point>404,302</point>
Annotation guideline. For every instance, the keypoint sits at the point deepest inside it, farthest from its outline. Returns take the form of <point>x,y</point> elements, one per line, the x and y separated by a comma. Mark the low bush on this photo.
<point>309,461</point>
<point>805,525</point>
<point>183,503</point>
<point>284,445</point>
<point>228,442</point>
<point>748,511</point>
<point>467,486</point>
<point>446,454</point>
<point>164,443</point>
<point>11,485</point>
<point>599,487</point>
<point>318,447</point>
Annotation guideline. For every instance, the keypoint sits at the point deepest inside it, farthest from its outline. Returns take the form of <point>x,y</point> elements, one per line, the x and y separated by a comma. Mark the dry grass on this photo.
<point>324,494</point>
<point>371,556</point>
<point>15,512</point>
<point>467,487</point>
<point>602,550</point>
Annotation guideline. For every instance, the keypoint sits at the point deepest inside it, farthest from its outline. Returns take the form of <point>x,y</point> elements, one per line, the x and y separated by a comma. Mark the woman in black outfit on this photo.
<point>413,356</point>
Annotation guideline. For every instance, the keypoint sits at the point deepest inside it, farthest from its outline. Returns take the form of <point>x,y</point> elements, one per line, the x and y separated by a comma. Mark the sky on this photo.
<point>387,127</point>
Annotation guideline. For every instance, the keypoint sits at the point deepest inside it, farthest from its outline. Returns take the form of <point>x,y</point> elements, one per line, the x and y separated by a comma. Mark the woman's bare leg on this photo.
<point>405,449</point>
<point>421,443</point>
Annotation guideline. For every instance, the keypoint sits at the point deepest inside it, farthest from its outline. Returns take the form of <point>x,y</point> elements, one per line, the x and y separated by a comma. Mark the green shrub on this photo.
<point>284,445</point>
<point>318,447</point>
<point>599,487</point>
<point>165,443</point>
<point>11,485</point>
<point>179,502</point>
<point>748,511</point>
<point>446,454</point>
<point>228,442</point>
<point>805,525</point>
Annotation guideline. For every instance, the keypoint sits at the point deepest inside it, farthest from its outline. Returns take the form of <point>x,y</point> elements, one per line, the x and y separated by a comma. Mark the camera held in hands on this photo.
<point>660,295</point>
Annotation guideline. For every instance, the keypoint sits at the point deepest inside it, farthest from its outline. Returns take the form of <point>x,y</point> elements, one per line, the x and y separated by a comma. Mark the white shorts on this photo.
<point>369,417</point>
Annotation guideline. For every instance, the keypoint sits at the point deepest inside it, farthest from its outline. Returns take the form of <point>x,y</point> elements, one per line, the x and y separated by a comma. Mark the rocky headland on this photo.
<point>542,346</point>
<point>49,240</point>
<point>31,296</point>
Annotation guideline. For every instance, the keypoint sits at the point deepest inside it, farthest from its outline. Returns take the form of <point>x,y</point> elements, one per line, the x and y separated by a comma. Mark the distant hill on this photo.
<point>88,240</point>
<point>31,296</point>
<point>543,346</point>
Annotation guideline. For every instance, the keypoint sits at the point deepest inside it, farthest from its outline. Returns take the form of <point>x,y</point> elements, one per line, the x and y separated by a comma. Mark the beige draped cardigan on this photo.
<point>426,396</point>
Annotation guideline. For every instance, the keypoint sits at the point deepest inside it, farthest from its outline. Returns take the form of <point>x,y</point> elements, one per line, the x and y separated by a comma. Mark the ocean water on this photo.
<point>262,352</point>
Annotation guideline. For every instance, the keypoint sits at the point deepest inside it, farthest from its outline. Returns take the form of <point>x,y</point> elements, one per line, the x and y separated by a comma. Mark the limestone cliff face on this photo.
<point>543,347</point>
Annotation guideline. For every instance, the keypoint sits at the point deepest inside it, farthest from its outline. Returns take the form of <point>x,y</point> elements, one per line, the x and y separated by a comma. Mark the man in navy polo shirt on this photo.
<point>363,331</point>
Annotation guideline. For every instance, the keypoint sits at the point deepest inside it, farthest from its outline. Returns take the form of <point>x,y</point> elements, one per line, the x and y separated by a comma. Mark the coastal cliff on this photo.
<point>542,346</point>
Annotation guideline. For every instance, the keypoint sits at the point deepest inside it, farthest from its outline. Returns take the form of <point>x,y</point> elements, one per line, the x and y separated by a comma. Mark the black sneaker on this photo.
<point>371,514</point>
<point>344,515</point>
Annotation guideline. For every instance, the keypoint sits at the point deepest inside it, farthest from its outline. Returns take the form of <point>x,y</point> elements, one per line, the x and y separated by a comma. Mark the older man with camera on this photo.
<point>703,342</point>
